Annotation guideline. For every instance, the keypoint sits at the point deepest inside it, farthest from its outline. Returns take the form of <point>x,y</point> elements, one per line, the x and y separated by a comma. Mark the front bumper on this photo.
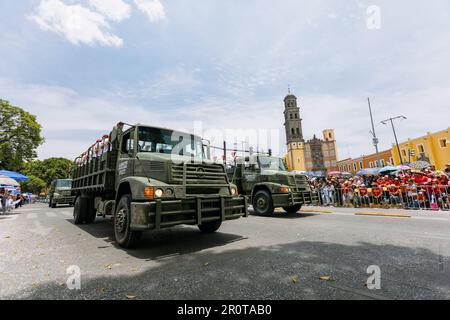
<point>295,198</point>
<point>160,214</point>
<point>64,200</point>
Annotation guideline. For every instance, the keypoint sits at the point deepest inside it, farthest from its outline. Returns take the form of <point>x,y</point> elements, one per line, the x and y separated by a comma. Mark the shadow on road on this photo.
<point>284,215</point>
<point>161,244</point>
<point>287,271</point>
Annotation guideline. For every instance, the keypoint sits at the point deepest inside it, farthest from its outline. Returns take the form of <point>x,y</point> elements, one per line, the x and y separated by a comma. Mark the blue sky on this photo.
<point>83,65</point>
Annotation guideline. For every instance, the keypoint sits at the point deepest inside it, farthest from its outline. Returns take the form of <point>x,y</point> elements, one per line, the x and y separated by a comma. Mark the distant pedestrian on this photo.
<point>3,201</point>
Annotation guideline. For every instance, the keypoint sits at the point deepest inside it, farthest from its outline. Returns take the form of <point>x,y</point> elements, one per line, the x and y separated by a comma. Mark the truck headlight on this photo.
<point>56,194</point>
<point>159,193</point>
<point>234,191</point>
<point>285,189</point>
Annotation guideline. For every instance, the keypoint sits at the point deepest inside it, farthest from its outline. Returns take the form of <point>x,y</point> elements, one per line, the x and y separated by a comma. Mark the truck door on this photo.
<point>126,154</point>
<point>249,176</point>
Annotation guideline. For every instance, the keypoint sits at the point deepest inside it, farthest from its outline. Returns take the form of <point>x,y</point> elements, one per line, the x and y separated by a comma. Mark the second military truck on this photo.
<point>150,178</point>
<point>269,185</point>
<point>60,193</point>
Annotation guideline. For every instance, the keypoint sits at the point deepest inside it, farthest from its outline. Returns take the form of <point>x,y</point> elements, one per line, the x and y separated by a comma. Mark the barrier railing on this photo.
<point>418,197</point>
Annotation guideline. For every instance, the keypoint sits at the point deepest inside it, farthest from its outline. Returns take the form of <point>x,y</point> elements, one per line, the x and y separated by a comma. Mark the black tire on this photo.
<point>292,209</point>
<point>53,205</point>
<point>210,227</point>
<point>125,237</point>
<point>91,213</point>
<point>80,210</point>
<point>263,203</point>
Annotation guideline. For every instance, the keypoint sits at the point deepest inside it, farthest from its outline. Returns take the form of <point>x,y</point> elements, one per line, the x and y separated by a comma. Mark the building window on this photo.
<point>443,143</point>
<point>298,131</point>
<point>296,116</point>
<point>293,131</point>
<point>371,164</point>
<point>391,162</point>
<point>421,148</point>
<point>383,164</point>
<point>360,164</point>
<point>291,116</point>
<point>404,152</point>
<point>354,166</point>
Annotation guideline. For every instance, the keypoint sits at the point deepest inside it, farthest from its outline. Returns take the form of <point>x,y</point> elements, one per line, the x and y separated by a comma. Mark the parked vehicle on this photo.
<point>150,178</point>
<point>269,185</point>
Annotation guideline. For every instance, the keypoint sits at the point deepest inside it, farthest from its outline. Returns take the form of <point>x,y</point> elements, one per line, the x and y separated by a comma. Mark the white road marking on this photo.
<point>429,218</point>
<point>31,216</point>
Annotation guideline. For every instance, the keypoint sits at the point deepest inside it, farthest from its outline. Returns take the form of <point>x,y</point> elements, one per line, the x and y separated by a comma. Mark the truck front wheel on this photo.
<point>125,237</point>
<point>80,209</point>
<point>292,209</point>
<point>210,227</point>
<point>262,203</point>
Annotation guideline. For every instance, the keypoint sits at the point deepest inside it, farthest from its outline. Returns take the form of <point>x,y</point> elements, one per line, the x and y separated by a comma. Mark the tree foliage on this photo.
<point>20,135</point>
<point>49,169</point>
<point>35,185</point>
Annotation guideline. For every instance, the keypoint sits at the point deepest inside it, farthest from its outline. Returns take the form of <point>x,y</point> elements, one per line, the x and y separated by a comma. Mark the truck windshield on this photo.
<point>64,184</point>
<point>271,163</point>
<point>169,142</point>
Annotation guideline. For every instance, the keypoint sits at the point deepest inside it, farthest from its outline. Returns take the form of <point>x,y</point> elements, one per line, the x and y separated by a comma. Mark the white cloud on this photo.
<point>116,10</point>
<point>77,23</point>
<point>152,8</point>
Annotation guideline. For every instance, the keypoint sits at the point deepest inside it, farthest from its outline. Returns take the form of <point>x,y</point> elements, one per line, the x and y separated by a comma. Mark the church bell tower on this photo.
<point>295,157</point>
<point>292,120</point>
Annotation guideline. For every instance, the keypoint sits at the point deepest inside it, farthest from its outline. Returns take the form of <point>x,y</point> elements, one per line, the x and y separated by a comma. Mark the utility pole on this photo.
<point>374,136</point>
<point>395,134</point>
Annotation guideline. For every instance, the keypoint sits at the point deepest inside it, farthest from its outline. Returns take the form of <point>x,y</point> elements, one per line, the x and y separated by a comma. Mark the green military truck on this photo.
<point>150,178</point>
<point>60,193</point>
<point>269,185</point>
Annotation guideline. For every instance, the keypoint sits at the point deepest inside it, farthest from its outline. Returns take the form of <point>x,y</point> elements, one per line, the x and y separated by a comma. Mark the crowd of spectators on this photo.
<point>411,189</point>
<point>10,201</point>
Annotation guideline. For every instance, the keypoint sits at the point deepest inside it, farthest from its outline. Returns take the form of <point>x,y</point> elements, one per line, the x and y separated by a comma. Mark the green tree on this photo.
<point>20,135</point>
<point>35,185</point>
<point>48,169</point>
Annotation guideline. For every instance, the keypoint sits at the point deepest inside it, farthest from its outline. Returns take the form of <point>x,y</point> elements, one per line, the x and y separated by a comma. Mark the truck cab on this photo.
<point>269,185</point>
<point>60,193</point>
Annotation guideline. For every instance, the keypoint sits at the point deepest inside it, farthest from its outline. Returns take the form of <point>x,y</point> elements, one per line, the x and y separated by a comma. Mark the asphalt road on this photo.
<point>282,257</point>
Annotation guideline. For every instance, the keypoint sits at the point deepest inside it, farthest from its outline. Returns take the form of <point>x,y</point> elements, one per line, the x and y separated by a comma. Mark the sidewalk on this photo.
<point>419,213</point>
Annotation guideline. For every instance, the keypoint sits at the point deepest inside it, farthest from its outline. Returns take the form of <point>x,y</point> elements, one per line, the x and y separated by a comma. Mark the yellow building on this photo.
<point>434,148</point>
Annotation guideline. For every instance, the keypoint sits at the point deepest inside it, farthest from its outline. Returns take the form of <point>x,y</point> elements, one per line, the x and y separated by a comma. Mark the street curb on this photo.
<point>316,211</point>
<point>378,214</point>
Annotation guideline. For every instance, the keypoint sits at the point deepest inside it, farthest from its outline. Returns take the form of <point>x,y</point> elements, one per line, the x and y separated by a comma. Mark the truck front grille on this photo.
<point>299,183</point>
<point>199,175</point>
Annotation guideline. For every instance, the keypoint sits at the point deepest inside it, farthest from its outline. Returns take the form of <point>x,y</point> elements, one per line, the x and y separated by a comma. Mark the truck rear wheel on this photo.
<point>292,209</point>
<point>210,227</point>
<point>91,213</point>
<point>80,210</point>
<point>125,237</point>
<point>262,203</point>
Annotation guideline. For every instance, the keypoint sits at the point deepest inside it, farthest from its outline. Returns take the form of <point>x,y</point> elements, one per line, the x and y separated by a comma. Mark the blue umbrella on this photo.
<point>368,172</point>
<point>388,169</point>
<point>14,175</point>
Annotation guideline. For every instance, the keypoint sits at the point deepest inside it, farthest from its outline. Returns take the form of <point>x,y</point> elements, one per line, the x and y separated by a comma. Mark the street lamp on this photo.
<point>374,135</point>
<point>395,135</point>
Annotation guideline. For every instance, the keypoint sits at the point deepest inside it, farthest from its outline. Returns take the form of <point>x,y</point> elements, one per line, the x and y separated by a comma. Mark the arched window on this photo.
<point>292,131</point>
<point>298,131</point>
<point>296,116</point>
<point>291,116</point>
